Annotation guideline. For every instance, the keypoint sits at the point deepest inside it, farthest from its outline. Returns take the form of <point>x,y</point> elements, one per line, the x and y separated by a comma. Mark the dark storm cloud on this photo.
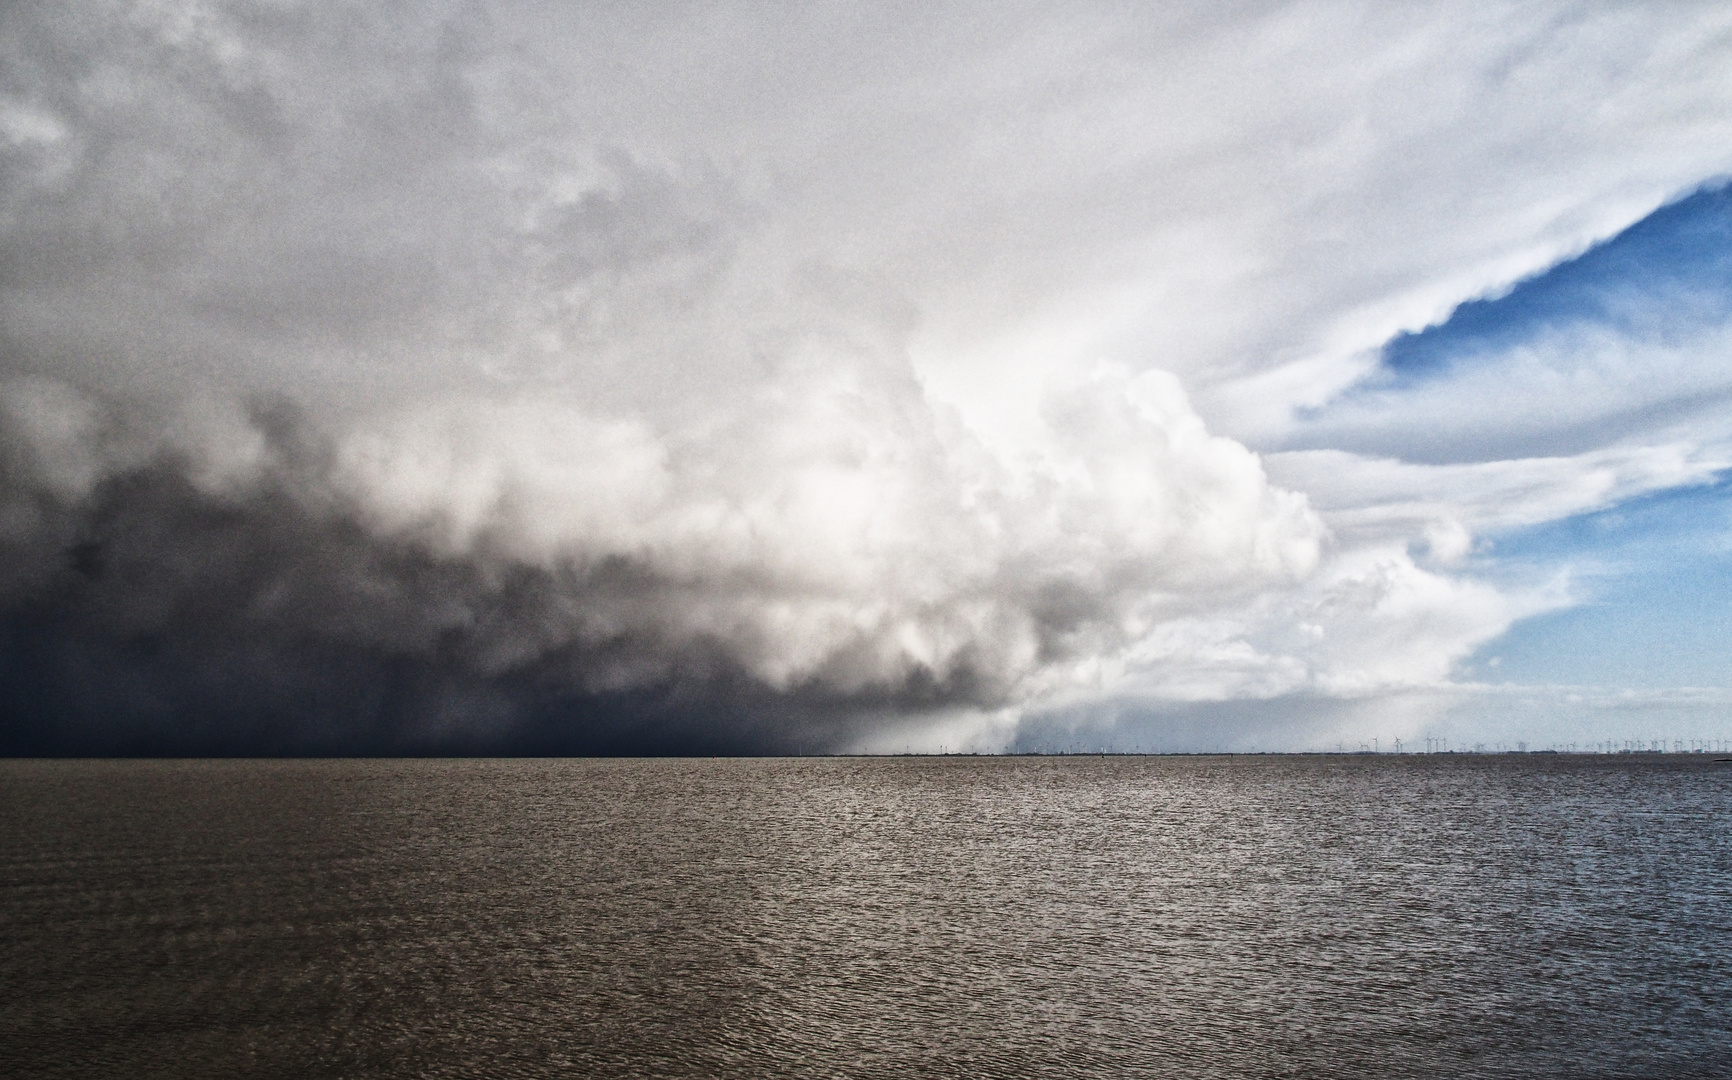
<point>149,616</point>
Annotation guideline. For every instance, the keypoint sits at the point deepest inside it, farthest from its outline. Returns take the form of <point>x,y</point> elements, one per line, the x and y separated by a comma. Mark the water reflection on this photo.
<point>1194,917</point>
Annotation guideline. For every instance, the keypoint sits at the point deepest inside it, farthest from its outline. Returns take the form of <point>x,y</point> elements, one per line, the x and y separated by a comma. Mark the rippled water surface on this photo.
<point>1531,916</point>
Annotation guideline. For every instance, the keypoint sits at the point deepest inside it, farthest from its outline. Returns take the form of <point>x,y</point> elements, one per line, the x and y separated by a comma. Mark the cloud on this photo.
<point>1379,500</point>
<point>449,377</point>
<point>834,540</point>
<point>1624,344</point>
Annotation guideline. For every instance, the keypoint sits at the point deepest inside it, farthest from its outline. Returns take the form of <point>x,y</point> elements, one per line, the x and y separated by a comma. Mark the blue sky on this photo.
<point>1653,581</point>
<point>1668,272</point>
<point>1663,286</point>
<point>1652,575</point>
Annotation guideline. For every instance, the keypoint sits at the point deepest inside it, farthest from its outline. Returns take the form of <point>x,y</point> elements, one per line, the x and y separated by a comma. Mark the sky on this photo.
<point>401,378</point>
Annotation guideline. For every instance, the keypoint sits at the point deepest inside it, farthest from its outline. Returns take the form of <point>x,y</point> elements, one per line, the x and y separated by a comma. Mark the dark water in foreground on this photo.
<point>1170,917</point>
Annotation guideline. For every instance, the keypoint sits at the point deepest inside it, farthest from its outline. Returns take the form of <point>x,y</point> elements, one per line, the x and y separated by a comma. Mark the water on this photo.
<point>1436,916</point>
